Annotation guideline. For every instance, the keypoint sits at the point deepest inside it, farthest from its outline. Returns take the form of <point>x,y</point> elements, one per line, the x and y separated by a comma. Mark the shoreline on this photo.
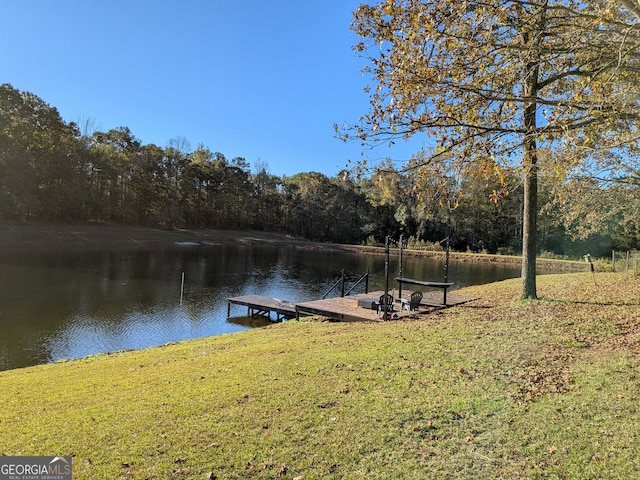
<point>39,235</point>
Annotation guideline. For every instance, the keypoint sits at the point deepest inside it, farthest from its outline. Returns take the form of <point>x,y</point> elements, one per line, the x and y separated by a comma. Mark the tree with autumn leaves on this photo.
<point>546,88</point>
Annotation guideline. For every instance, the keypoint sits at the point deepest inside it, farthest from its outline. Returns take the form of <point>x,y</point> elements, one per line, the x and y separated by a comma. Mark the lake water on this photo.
<point>70,304</point>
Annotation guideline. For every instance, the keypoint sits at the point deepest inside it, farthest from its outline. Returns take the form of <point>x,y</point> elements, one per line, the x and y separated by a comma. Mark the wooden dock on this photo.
<point>263,306</point>
<point>344,309</point>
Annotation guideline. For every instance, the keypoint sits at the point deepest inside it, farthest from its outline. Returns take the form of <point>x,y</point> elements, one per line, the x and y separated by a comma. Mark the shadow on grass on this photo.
<point>251,322</point>
<point>584,302</point>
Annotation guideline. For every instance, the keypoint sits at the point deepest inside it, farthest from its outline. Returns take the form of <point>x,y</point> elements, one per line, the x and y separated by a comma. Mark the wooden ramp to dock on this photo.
<point>344,309</point>
<point>264,306</point>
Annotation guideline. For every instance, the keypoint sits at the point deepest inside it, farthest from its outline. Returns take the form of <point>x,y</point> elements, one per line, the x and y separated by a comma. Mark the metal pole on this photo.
<point>181,288</point>
<point>386,275</point>
<point>366,282</point>
<point>446,256</point>
<point>400,269</point>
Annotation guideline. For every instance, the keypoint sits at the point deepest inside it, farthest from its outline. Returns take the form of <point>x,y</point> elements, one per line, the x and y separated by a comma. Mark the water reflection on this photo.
<point>56,305</point>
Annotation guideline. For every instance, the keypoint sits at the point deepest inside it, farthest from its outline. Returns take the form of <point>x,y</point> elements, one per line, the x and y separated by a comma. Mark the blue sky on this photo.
<point>264,80</point>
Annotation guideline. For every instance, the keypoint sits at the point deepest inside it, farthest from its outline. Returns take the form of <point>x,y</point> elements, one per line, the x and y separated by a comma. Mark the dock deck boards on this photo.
<point>261,305</point>
<point>344,309</point>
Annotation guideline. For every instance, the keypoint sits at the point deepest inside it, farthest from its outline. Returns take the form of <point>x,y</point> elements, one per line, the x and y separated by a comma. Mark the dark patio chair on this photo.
<point>385,304</point>
<point>413,302</point>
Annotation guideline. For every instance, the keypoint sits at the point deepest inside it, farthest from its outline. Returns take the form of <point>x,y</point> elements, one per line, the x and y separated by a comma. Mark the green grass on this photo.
<point>497,388</point>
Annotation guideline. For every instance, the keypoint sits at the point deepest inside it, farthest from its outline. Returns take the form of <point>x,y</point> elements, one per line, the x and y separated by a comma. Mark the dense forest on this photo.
<point>55,170</point>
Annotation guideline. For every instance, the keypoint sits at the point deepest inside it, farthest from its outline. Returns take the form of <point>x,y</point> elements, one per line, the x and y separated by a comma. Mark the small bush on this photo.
<point>553,256</point>
<point>371,241</point>
<point>506,251</point>
<point>416,244</point>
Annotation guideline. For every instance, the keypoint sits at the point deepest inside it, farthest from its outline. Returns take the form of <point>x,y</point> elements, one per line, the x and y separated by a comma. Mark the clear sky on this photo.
<point>260,79</point>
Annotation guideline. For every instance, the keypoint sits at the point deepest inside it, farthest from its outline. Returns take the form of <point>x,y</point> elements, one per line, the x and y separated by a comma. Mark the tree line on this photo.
<point>61,171</point>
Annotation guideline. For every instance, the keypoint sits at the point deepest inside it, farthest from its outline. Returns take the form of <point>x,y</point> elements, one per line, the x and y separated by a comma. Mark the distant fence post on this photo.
<point>613,260</point>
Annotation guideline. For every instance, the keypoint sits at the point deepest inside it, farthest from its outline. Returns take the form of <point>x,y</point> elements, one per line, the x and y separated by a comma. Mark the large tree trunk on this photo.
<point>529,227</point>
<point>529,236</point>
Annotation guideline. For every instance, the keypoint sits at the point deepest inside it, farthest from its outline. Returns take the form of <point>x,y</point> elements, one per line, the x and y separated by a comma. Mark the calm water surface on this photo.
<point>70,304</point>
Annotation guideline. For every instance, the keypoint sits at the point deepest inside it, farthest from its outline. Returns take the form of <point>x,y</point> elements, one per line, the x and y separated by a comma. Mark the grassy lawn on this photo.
<point>497,388</point>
